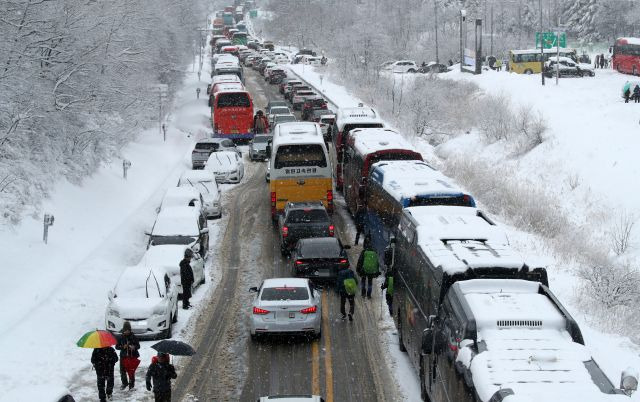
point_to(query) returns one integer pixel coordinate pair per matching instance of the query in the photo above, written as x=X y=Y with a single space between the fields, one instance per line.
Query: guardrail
x=318 y=90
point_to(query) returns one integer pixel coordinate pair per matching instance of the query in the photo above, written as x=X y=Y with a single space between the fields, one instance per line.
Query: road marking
x=328 y=364
x=315 y=368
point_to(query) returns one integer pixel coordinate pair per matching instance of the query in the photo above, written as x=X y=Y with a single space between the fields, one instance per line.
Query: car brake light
x=309 y=310
x=257 y=310
x=331 y=230
x=273 y=203
x=285 y=231
x=299 y=262
x=344 y=261
x=465 y=198
x=330 y=200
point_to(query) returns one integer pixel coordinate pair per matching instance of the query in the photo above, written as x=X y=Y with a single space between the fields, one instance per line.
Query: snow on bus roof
x=369 y=140
x=526 y=345
x=549 y=50
x=297 y=132
x=461 y=238
x=362 y=114
x=406 y=179
x=629 y=40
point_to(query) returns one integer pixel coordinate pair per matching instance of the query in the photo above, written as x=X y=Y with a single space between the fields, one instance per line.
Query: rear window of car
x=233 y=100
x=320 y=248
x=208 y=146
x=280 y=110
x=307 y=216
x=284 y=293
x=285 y=118
x=328 y=120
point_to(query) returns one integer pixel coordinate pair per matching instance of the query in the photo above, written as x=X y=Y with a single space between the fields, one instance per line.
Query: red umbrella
x=130 y=364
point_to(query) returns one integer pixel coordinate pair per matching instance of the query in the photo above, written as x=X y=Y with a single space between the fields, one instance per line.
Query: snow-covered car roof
x=461 y=238
x=526 y=346
x=35 y=392
x=180 y=196
x=370 y=140
x=560 y=59
x=139 y=282
x=350 y=115
x=197 y=176
x=285 y=282
x=404 y=180
x=229 y=86
x=164 y=256
x=225 y=78
x=222 y=158
x=177 y=221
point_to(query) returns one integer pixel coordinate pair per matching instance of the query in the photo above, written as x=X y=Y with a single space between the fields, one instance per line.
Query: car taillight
x=299 y=262
x=309 y=310
x=285 y=231
x=260 y=311
x=273 y=203
x=330 y=200
x=331 y=230
x=344 y=261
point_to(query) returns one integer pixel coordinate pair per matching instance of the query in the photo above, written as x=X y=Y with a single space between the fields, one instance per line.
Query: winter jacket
x=186 y=274
x=360 y=266
x=343 y=274
x=636 y=91
x=360 y=215
x=161 y=374
x=128 y=340
x=260 y=124
x=103 y=360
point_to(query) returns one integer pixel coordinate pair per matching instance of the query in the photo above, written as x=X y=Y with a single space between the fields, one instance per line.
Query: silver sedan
x=286 y=306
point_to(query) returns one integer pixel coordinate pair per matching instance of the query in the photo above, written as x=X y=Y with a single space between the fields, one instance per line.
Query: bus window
x=300 y=155
x=233 y=100
x=459 y=201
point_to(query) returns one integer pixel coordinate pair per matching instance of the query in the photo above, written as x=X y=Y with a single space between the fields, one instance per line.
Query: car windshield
x=307 y=216
x=284 y=293
x=180 y=240
x=320 y=248
x=280 y=110
x=208 y=146
x=285 y=118
x=260 y=139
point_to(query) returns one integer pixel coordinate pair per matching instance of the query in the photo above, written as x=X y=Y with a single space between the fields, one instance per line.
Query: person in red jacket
x=260 y=123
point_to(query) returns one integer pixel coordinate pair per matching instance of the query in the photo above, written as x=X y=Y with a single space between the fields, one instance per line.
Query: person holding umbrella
x=103 y=359
x=128 y=346
x=161 y=372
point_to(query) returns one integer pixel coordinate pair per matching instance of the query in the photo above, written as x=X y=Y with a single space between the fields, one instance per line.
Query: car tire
x=317 y=335
x=255 y=337
x=167 y=333
x=174 y=319
x=412 y=71
x=528 y=71
x=204 y=278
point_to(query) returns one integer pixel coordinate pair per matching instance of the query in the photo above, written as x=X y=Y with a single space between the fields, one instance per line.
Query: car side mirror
x=427 y=341
x=253 y=289
x=629 y=380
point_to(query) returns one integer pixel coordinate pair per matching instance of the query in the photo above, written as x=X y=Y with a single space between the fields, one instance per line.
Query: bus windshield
x=300 y=155
x=457 y=201
x=237 y=99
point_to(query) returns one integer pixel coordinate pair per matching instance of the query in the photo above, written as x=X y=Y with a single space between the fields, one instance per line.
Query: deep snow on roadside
x=614 y=353
x=54 y=293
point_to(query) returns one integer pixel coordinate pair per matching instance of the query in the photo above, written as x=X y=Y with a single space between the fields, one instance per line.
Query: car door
x=197 y=264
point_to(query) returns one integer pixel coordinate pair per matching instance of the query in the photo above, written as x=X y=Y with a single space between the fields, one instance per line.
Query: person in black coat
x=360 y=219
x=128 y=346
x=636 y=94
x=103 y=360
x=161 y=372
x=186 y=277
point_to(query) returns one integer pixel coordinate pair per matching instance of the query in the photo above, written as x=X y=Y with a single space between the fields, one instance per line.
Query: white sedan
x=400 y=66
x=168 y=257
x=286 y=306
x=205 y=182
x=147 y=298
x=227 y=166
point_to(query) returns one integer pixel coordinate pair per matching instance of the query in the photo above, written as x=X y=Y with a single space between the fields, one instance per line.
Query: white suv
x=400 y=66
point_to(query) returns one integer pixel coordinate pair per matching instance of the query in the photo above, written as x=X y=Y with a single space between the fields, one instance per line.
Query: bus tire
x=400 y=337
x=528 y=71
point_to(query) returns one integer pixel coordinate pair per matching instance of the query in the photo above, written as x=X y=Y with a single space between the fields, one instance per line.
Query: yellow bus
x=299 y=166
x=528 y=61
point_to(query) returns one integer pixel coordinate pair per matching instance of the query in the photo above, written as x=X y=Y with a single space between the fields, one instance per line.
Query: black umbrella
x=175 y=348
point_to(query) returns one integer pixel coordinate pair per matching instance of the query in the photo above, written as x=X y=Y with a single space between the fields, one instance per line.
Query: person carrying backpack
x=636 y=94
x=368 y=267
x=388 y=285
x=627 y=94
x=346 y=286
x=160 y=373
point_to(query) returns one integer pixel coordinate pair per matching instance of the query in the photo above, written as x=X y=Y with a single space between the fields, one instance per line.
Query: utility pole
x=435 y=13
x=478 y=30
x=541 y=44
x=491 y=47
x=463 y=14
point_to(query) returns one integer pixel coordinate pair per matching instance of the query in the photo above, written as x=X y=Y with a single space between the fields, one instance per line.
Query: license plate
x=292 y=314
x=234 y=131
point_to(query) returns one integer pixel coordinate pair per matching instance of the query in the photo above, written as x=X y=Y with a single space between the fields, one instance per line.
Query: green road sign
x=550 y=39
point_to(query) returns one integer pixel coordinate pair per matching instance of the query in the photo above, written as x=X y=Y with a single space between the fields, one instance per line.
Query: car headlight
x=114 y=313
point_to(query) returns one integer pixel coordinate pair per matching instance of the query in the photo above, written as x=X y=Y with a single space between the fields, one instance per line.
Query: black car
x=433 y=68
x=567 y=68
x=318 y=258
x=302 y=220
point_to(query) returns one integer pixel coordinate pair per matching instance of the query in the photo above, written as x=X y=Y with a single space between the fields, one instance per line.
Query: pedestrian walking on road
x=186 y=278
x=128 y=346
x=596 y=62
x=368 y=267
x=346 y=286
x=388 y=285
x=103 y=360
x=360 y=217
x=636 y=94
x=160 y=373
x=627 y=94
x=260 y=123
x=602 y=61
x=198 y=93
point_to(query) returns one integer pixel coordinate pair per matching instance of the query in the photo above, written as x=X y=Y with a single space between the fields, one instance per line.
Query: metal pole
x=557 y=56
x=435 y=13
x=541 y=45
x=462 y=14
x=478 y=46
x=491 y=47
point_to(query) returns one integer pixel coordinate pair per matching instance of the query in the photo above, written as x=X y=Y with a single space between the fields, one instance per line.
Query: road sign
x=550 y=39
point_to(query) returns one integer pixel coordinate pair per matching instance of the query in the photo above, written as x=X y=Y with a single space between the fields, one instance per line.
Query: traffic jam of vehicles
x=476 y=320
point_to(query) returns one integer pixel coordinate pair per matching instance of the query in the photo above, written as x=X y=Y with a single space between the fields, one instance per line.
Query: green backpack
x=370 y=263
x=350 y=286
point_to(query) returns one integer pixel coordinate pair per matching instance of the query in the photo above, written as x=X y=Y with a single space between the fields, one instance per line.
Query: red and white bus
x=364 y=147
x=626 y=55
x=346 y=120
x=232 y=115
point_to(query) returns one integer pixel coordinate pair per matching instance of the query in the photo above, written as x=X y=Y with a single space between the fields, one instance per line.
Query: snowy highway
x=345 y=364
